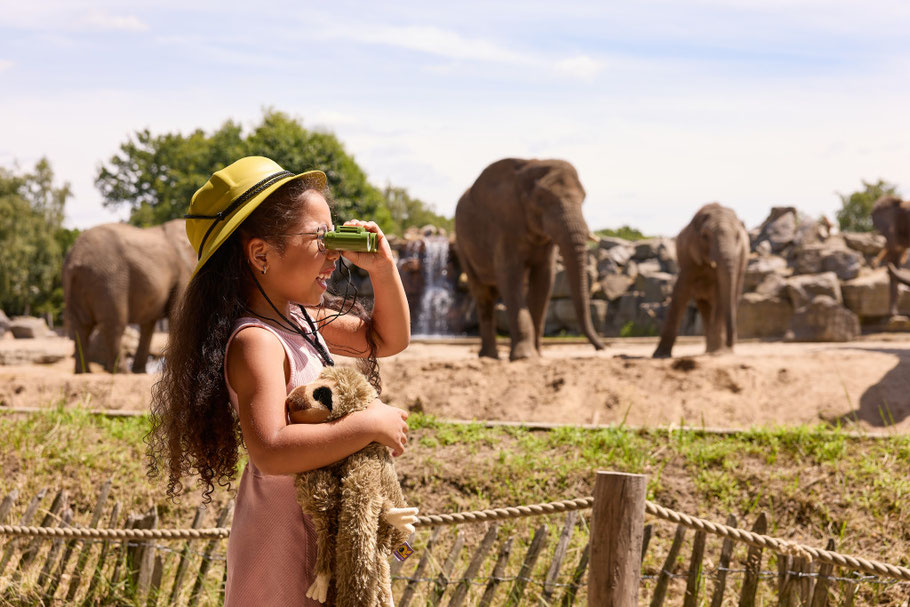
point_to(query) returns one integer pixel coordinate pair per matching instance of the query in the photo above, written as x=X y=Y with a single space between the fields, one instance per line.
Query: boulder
x=867 y=295
x=561 y=288
x=803 y=288
x=620 y=254
x=759 y=268
x=655 y=287
x=29 y=327
x=615 y=285
x=778 y=229
x=646 y=249
x=650 y=266
x=867 y=243
x=823 y=319
x=561 y=316
x=817 y=258
x=666 y=255
x=763 y=316
x=608 y=242
x=774 y=285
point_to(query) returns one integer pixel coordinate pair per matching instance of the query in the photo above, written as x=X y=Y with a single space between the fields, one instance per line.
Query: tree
x=406 y=211
x=855 y=214
x=156 y=176
x=626 y=232
x=33 y=241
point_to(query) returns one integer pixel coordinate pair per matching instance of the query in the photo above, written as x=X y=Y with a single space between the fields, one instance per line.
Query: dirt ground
x=865 y=383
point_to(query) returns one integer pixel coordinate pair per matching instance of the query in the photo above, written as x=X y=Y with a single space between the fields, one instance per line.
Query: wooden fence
x=548 y=554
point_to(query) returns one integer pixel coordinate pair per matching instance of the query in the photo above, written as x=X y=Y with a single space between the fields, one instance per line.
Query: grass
x=813 y=482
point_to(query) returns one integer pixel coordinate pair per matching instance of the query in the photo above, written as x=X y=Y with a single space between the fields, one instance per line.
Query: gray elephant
x=117 y=274
x=891 y=217
x=508 y=226
x=712 y=253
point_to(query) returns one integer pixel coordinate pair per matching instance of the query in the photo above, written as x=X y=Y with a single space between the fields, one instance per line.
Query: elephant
x=891 y=217
x=117 y=274
x=712 y=252
x=508 y=227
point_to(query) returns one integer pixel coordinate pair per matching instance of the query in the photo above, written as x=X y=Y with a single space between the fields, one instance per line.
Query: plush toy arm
x=319 y=589
x=402 y=519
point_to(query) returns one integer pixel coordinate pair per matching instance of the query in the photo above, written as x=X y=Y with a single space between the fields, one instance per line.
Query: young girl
x=249 y=329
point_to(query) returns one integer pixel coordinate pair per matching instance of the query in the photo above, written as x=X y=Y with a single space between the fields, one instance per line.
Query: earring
x=264 y=270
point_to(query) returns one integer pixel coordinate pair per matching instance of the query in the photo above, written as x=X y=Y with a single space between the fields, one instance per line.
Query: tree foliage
x=626 y=232
x=406 y=211
x=156 y=175
x=855 y=214
x=33 y=240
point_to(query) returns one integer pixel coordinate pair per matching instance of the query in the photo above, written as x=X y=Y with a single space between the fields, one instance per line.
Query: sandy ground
x=865 y=383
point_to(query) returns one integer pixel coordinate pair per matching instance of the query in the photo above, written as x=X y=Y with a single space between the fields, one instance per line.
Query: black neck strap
x=311 y=337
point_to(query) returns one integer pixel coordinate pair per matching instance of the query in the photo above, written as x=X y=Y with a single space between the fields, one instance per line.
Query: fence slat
x=99 y=566
x=572 y=589
x=820 y=594
x=849 y=594
x=496 y=576
x=753 y=565
x=726 y=552
x=785 y=581
x=418 y=571
x=562 y=544
x=145 y=556
x=76 y=576
x=155 y=582
x=694 y=578
x=645 y=540
x=184 y=562
x=26 y=519
x=527 y=567
x=56 y=545
x=663 y=579
x=7 y=504
x=461 y=591
x=442 y=580
x=223 y=518
x=28 y=556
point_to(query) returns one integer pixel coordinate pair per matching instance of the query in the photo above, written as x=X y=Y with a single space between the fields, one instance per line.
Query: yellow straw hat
x=230 y=195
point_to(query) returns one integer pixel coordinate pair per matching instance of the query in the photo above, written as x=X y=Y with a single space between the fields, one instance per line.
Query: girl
x=249 y=329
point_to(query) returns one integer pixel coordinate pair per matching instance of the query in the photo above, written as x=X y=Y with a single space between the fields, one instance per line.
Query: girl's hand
x=380 y=260
x=389 y=425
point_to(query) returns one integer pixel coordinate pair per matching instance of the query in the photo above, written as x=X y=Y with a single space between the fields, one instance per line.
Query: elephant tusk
x=713 y=265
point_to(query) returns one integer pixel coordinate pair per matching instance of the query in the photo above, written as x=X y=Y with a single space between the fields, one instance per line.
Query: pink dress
x=272 y=544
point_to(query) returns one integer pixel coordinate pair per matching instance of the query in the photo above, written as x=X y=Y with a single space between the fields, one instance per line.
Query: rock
x=4 y=323
x=817 y=258
x=646 y=249
x=867 y=243
x=29 y=327
x=620 y=254
x=778 y=229
x=615 y=285
x=609 y=242
x=626 y=309
x=655 y=287
x=561 y=316
x=808 y=259
x=759 y=268
x=651 y=266
x=824 y=319
x=774 y=285
x=803 y=288
x=561 y=287
x=666 y=255
x=867 y=295
x=763 y=316
x=606 y=267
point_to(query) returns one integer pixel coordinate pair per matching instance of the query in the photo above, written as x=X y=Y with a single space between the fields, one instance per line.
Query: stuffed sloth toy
x=356 y=504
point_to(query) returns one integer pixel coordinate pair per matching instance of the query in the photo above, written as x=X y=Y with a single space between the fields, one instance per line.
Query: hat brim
x=233 y=221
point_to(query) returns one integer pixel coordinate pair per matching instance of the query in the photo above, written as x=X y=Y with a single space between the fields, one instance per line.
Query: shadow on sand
x=887 y=402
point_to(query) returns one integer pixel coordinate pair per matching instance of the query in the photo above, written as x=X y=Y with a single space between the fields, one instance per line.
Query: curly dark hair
x=194 y=429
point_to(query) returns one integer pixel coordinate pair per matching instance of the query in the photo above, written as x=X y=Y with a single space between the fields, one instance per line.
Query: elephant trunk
x=727 y=298
x=575 y=257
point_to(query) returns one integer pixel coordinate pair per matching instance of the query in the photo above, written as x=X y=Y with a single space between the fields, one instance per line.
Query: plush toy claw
x=402 y=519
x=319 y=589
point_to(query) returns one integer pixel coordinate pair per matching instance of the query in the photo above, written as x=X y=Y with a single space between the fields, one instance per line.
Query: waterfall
x=437 y=296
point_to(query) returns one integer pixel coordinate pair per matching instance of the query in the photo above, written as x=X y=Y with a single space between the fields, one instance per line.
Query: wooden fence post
x=617 y=528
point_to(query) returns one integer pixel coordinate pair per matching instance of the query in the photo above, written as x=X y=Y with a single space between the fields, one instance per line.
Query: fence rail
x=487 y=563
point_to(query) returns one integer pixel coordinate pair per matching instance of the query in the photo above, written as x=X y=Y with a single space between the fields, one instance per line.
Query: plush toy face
x=335 y=393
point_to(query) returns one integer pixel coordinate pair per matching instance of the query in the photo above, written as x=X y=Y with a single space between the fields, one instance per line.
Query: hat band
x=220 y=215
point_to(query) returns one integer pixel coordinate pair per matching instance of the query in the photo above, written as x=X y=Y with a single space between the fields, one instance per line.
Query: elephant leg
x=679 y=301
x=111 y=337
x=895 y=257
x=142 y=350
x=713 y=322
x=486 y=319
x=512 y=279
x=540 y=286
x=81 y=334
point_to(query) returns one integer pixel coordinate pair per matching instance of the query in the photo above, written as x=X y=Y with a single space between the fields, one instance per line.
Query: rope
x=494 y=514
x=115 y=534
x=780 y=546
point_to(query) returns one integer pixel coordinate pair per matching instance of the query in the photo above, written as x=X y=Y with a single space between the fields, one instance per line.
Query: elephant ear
x=528 y=178
x=701 y=234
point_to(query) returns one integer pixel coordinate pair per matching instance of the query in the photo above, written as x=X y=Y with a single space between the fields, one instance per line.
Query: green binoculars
x=350 y=238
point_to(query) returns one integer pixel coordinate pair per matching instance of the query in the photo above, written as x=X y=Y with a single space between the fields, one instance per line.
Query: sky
x=661 y=105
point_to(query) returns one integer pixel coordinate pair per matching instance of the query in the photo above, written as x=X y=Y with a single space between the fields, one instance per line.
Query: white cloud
x=5 y=65
x=106 y=22
x=582 y=67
